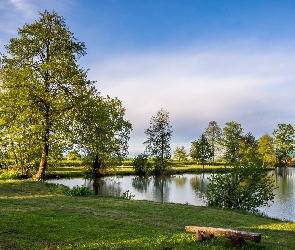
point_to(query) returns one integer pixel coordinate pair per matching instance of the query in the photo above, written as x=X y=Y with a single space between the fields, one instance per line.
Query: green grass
x=36 y=215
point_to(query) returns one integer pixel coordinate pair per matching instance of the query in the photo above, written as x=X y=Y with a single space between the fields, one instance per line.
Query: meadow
x=38 y=215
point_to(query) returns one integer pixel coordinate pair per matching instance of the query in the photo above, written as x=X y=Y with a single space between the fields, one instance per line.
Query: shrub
x=9 y=176
x=80 y=191
x=247 y=186
x=141 y=165
x=127 y=195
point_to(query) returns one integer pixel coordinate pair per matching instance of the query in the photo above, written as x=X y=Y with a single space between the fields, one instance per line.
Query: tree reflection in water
x=141 y=183
x=199 y=185
x=107 y=187
x=179 y=181
x=284 y=180
x=161 y=188
x=187 y=188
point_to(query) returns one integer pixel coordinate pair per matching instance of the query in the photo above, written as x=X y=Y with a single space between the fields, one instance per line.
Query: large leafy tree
x=201 y=150
x=232 y=136
x=102 y=133
x=266 y=149
x=213 y=134
x=41 y=88
x=284 y=138
x=157 y=144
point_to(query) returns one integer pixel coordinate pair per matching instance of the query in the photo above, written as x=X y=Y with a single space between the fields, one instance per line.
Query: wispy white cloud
x=251 y=86
x=24 y=7
x=15 y=13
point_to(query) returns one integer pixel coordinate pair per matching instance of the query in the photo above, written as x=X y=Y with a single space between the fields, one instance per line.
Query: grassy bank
x=36 y=215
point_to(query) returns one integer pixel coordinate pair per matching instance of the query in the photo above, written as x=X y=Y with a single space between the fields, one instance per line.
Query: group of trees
x=48 y=106
x=246 y=184
x=230 y=144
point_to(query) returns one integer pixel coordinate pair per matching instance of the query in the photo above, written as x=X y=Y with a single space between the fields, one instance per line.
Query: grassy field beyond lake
x=37 y=215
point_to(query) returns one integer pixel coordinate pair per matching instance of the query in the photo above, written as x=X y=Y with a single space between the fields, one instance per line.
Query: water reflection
x=179 y=181
x=283 y=206
x=199 y=185
x=187 y=188
x=141 y=183
x=161 y=188
x=107 y=186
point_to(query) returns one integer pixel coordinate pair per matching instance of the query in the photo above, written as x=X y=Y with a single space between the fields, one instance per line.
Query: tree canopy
x=266 y=149
x=213 y=135
x=157 y=144
x=180 y=154
x=231 y=141
x=284 y=138
x=43 y=93
x=201 y=149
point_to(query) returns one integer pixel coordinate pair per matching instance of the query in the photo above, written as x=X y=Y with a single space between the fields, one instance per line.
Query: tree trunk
x=96 y=167
x=45 y=149
x=43 y=162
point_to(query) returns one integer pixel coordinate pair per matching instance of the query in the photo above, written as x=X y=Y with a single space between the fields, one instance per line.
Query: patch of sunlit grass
x=35 y=216
x=282 y=226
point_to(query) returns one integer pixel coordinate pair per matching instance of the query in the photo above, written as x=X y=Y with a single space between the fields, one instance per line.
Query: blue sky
x=225 y=60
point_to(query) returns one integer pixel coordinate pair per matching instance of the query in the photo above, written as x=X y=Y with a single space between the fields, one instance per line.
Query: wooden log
x=228 y=233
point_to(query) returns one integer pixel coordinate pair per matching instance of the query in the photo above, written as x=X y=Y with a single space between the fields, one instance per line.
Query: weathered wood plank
x=228 y=233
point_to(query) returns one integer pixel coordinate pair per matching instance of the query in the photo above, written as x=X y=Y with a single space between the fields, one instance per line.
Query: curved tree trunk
x=43 y=163
x=45 y=149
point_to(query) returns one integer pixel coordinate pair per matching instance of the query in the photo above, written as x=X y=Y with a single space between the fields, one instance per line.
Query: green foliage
x=60 y=108
x=213 y=135
x=284 y=138
x=141 y=164
x=41 y=78
x=201 y=150
x=266 y=149
x=127 y=195
x=103 y=133
x=158 y=141
x=246 y=186
x=7 y=175
x=180 y=154
x=80 y=191
x=73 y=155
x=62 y=190
x=232 y=135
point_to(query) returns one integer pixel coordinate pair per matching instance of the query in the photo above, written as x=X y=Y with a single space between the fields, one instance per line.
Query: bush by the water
x=141 y=164
x=9 y=176
x=80 y=191
x=246 y=186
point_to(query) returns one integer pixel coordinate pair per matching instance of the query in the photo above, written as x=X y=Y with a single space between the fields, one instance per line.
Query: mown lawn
x=36 y=215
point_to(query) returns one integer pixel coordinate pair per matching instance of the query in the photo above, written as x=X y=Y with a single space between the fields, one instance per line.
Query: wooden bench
x=237 y=238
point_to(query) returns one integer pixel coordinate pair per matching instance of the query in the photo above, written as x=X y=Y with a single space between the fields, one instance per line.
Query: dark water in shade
x=187 y=188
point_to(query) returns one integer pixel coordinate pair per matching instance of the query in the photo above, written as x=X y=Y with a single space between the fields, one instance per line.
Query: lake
x=186 y=189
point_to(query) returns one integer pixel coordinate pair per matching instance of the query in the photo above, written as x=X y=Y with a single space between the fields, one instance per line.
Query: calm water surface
x=187 y=188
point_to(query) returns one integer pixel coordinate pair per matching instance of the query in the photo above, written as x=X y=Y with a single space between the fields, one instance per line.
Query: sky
x=202 y=61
